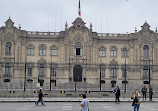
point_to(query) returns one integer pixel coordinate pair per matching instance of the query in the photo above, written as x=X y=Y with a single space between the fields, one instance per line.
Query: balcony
x=7 y=75
x=41 y=75
x=113 y=76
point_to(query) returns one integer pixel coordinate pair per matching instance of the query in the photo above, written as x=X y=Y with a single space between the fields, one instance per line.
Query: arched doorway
x=77 y=73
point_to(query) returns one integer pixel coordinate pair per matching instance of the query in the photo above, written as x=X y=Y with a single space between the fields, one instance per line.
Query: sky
x=106 y=16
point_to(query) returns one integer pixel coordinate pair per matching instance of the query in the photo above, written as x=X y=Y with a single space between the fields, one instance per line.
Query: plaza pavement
x=74 y=106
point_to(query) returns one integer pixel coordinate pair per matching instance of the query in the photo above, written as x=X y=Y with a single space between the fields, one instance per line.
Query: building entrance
x=77 y=73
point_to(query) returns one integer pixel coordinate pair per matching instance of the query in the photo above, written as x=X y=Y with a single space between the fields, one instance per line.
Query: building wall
x=65 y=60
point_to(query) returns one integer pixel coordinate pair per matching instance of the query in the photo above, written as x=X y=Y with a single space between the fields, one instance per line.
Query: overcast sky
x=107 y=16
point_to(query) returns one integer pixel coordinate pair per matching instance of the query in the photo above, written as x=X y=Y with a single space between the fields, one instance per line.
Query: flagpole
x=79 y=9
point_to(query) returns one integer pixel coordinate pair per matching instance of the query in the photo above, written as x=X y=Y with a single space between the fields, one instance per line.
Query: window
x=29 y=71
x=53 y=72
x=145 y=72
x=8 y=48
x=124 y=73
x=102 y=72
x=146 y=51
x=113 y=71
x=53 y=51
x=7 y=69
x=30 y=50
x=124 y=53
x=113 y=84
x=42 y=51
x=102 y=52
x=41 y=70
x=113 y=52
x=78 y=48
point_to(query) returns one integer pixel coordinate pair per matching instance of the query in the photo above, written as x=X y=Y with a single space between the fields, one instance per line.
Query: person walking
x=84 y=104
x=144 y=91
x=117 y=94
x=150 y=93
x=136 y=101
x=40 y=97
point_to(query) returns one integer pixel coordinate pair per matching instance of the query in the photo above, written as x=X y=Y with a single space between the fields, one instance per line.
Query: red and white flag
x=79 y=9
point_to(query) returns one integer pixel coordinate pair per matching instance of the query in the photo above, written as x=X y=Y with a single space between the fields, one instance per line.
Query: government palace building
x=77 y=58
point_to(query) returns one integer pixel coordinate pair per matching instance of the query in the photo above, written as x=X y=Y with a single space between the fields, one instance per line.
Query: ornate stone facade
x=77 y=54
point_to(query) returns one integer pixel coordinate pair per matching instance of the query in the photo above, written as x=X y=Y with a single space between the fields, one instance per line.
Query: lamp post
x=75 y=81
x=25 y=77
x=149 y=72
x=125 y=74
x=149 y=77
x=50 y=74
x=100 y=77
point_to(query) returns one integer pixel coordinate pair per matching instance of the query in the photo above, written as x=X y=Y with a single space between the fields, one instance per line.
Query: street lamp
x=25 y=77
x=50 y=74
x=75 y=81
x=100 y=77
x=149 y=72
x=125 y=74
x=149 y=78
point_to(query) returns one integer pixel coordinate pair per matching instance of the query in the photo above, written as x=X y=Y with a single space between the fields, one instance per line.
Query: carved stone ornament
x=78 y=37
x=78 y=23
x=146 y=35
x=8 y=37
x=146 y=40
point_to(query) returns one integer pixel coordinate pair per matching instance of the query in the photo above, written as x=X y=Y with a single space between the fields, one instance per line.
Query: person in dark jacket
x=117 y=94
x=144 y=91
x=150 y=93
x=40 y=97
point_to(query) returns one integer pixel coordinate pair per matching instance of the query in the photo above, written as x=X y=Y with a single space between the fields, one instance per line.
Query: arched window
x=42 y=50
x=30 y=50
x=146 y=51
x=124 y=52
x=113 y=52
x=78 y=48
x=54 y=51
x=8 y=48
x=102 y=51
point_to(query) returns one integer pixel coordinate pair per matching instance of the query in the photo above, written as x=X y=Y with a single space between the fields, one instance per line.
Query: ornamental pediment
x=78 y=23
x=145 y=29
x=145 y=35
x=78 y=26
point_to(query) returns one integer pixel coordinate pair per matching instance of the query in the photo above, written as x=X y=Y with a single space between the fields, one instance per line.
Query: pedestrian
x=40 y=97
x=144 y=91
x=136 y=101
x=84 y=104
x=150 y=93
x=117 y=94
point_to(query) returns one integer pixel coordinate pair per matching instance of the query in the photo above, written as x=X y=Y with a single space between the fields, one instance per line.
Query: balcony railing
x=145 y=77
x=42 y=33
x=113 y=76
x=7 y=75
x=41 y=75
